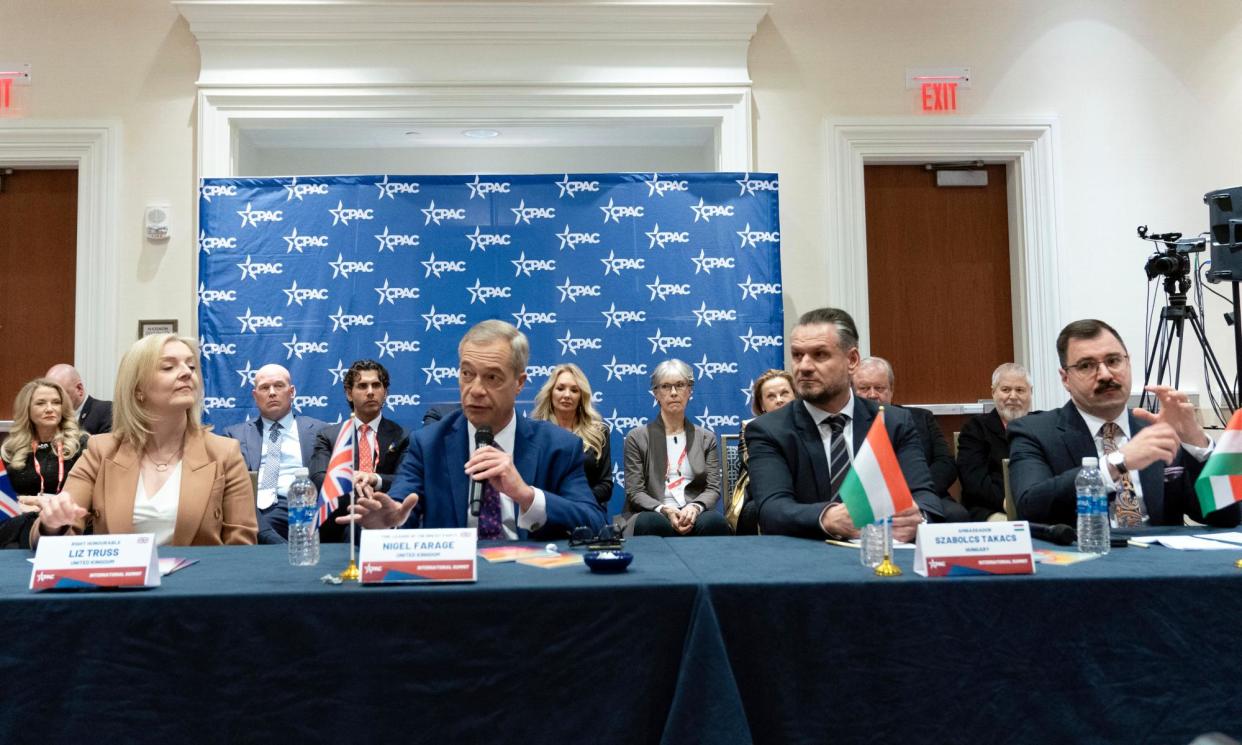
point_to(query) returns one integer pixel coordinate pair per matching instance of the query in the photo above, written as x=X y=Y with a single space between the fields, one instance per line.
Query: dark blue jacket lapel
x=809 y=437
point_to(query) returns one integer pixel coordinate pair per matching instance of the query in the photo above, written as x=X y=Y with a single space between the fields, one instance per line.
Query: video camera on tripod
x=1173 y=261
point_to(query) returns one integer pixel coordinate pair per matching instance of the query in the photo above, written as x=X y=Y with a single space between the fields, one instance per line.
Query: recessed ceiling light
x=480 y=134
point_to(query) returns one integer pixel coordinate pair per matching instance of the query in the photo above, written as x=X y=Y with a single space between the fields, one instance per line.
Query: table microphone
x=1062 y=535
x=482 y=436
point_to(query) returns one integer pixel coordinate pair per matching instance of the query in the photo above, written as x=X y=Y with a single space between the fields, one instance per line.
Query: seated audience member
x=94 y=417
x=1133 y=447
x=982 y=445
x=874 y=380
x=770 y=391
x=799 y=455
x=275 y=445
x=436 y=412
x=672 y=468
x=159 y=471
x=565 y=400
x=532 y=480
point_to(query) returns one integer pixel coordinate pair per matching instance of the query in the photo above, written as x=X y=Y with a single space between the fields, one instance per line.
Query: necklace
x=162 y=467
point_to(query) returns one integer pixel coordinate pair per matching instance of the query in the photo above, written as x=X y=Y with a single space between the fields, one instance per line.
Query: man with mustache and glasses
x=983 y=443
x=1134 y=448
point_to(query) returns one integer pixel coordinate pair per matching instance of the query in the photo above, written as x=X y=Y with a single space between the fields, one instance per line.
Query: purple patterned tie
x=490 y=528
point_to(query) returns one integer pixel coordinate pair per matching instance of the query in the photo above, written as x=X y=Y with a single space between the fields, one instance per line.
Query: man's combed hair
x=356 y=369
x=847 y=331
x=485 y=332
x=1086 y=328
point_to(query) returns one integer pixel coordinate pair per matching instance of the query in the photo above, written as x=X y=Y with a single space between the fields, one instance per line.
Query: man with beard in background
x=984 y=443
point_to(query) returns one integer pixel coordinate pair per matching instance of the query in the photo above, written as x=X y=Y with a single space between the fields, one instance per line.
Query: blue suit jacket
x=250 y=435
x=1046 y=452
x=547 y=457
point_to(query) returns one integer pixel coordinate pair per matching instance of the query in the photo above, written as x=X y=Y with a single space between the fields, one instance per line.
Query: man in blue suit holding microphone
x=514 y=478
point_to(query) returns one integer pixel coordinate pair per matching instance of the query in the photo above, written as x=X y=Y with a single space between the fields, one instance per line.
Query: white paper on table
x=857 y=543
x=1234 y=537
x=1194 y=543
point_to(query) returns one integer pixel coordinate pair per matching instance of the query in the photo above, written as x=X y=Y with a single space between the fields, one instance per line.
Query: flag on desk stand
x=875 y=488
x=9 y=506
x=1220 y=483
x=339 y=479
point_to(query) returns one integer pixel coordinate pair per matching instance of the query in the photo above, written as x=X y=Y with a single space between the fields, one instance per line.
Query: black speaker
x=1225 y=218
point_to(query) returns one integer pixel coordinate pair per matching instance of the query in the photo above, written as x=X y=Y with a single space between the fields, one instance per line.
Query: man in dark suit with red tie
x=94 y=416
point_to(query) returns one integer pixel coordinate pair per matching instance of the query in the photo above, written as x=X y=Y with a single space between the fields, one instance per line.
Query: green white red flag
x=875 y=487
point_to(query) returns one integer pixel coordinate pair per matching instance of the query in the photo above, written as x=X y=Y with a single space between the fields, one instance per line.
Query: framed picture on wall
x=149 y=327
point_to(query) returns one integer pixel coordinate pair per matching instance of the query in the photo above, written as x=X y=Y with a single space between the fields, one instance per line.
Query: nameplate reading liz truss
x=439 y=555
x=91 y=562
x=963 y=549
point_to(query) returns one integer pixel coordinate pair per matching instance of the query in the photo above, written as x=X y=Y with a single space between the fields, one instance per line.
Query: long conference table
x=703 y=640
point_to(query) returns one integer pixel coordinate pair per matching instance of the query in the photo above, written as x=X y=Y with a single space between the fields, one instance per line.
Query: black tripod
x=1173 y=319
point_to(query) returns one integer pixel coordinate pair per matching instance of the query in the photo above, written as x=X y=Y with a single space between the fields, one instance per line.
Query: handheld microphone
x=482 y=436
x=1062 y=535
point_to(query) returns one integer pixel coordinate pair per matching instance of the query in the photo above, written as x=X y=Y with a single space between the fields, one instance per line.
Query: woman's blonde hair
x=588 y=424
x=20 y=441
x=131 y=422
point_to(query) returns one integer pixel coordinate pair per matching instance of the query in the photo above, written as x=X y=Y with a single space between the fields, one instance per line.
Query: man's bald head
x=67 y=377
x=273 y=391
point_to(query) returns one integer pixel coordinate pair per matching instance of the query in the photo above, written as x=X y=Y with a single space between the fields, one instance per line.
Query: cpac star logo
x=391 y=295
x=755 y=289
x=704 y=263
x=390 y=347
x=656 y=187
x=45 y=577
x=526 y=266
x=207 y=243
x=570 y=345
x=708 y=211
x=247 y=375
x=435 y=375
x=210 y=349
x=539 y=371
x=571 y=240
x=753 y=238
x=343 y=268
x=300 y=190
x=294 y=347
x=618 y=317
x=207 y=191
x=525 y=319
x=748 y=391
x=711 y=369
x=618 y=211
x=253 y=323
x=252 y=269
x=619 y=370
x=482 y=292
x=254 y=217
x=624 y=424
x=750 y=185
x=662 y=344
x=342 y=321
x=390 y=188
x=524 y=214
x=402 y=399
x=306 y=402
x=298 y=294
x=390 y=241
x=436 y=267
x=570 y=188
x=343 y=214
x=708 y=420
x=660 y=237
x=298 y=242
x=707 y=315
x=662 y=291
x=481 y=189
x=440 y=320
x=207 y=297
x=614 y=265
x=753 y=342
x=481 y=240
x=211 y=403
x=338 y=372
x=572 y=292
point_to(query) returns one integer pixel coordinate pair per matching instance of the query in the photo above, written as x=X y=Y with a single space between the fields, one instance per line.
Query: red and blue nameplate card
x=91 y=562
x=432 y=555
x=965 y=549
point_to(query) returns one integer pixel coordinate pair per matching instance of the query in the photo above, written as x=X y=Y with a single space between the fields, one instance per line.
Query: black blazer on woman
x=26 y=480
x=599 y=470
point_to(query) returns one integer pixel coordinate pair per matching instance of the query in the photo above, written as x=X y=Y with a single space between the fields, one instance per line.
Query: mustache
x=1107 y=385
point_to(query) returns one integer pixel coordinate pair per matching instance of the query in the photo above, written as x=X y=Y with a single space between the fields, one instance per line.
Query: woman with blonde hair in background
x=770 y=391
x=566 y=400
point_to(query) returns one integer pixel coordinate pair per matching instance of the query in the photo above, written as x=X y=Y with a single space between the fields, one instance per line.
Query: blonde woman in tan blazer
x=159 y=471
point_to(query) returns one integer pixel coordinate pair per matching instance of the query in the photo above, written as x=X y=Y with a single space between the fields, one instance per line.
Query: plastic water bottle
x=1093 y=532
x=303 y=515
x=871 y=544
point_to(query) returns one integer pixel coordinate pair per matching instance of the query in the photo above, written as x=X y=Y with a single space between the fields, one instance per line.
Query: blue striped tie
x=838 y=452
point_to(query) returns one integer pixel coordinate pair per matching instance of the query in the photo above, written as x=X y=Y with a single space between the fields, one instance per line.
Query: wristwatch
x=1117 y=459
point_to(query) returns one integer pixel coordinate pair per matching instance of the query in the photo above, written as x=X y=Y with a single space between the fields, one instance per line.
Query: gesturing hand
x=379 y=511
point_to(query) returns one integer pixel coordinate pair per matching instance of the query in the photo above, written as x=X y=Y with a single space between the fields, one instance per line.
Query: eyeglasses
x=608 y=537
x=670 y=387
x=1089 y=367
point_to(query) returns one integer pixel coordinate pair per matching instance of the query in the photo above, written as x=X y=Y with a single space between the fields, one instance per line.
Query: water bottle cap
x=299 y=473
x=1090 y=462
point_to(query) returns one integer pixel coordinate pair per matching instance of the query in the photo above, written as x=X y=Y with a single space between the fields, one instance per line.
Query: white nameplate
x=85 y=562
x=432 y=555
x=962 y=549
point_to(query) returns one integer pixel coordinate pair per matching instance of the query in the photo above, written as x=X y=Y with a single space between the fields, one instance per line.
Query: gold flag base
x=887 y=568
x=351 y=573
x=1238 y=563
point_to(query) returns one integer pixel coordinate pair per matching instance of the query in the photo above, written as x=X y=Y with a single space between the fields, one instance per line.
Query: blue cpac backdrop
x=614 y=272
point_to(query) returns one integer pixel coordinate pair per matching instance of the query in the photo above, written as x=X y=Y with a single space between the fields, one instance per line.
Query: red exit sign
x=938 y=97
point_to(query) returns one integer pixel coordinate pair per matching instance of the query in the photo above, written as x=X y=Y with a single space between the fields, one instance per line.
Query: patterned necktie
x=838 y=454
x=490 y=527
x=366 y=460
x=1128 y=507
x=271 y=468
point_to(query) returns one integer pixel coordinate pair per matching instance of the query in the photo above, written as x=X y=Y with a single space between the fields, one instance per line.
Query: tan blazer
x=216 y=504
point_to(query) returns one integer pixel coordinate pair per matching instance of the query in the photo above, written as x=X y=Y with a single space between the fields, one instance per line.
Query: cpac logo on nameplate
x=89 y=562
x=964 y=549
x=433 y=555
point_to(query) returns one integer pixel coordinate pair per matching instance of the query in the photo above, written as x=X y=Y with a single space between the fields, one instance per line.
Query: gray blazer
x=646 y=464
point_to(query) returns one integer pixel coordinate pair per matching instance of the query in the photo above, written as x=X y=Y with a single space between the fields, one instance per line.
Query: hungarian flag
x=9 y=506
x=874 y=488
x=339 y=480
x=1220 y=483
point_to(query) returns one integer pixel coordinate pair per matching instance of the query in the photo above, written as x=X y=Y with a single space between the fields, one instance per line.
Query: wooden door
x=38 y=275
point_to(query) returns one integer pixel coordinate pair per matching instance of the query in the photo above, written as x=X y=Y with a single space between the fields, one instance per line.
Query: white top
x=158 y=513
x=534 y=517
x=677 y=473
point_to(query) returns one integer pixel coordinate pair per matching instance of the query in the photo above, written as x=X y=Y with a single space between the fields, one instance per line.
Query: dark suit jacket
x=935 y=449
x=981 y=447
x=250 y=434
x=599 y=471
x=95 y=418
x=1046 y=452
x=789 y=470
x=548 y=458
x=393 y=441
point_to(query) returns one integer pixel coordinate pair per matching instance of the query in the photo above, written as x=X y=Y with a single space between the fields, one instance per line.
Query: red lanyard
x=681 y=459
x=60 y=463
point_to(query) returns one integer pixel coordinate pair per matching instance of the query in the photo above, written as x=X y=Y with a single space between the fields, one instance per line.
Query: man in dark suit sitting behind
x=1046 y=449
x=791 y=470
x=984 y=444
x=94 y=416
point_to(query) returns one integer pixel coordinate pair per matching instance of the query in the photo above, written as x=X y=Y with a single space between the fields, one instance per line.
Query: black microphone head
x=1062 y=535
x=483 y=436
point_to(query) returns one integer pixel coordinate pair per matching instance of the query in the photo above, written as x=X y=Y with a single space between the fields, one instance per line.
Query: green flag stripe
x=1222 y=464
x=855 y=498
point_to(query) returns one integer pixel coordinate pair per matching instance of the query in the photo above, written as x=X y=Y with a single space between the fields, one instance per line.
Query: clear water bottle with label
x=303 y=502
x=1093 y=532
x=871 y=544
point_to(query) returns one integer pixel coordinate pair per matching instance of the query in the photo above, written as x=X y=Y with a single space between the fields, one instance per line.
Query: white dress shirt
x=536 y=515
x=290 y=458
x=157 y=513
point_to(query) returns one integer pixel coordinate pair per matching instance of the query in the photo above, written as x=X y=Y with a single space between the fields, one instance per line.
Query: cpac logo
x=300 y=190
x=572 y=292
x=481 y=240
x=614 y=265
x=708 y=420
x=539 y=371
x=753 y=238
x=570 y=345
x=658 y=187
x=343 y=268
x=706 y=315
x=435 y=214
x=597 y=397
x=207 y=297
x=660 y=237
x=526 y=266
x=299 y=242
x=207 y=191
x=436 y=267
x=207 y=243
x=252 y=269
x=529 y=319
x=254 y=217
x=253 y=323
x=342 y=321
x=247 y=375
x=624 y=423
x=436 y=375
x=481 y=189
x=754 y=342
x=299 y=348
x=338 y=372
x=708 y=211
x=211 y=403
x=524 y=214
x=571 y=240
x=391 y=295
x=482 y=292
x=711 y=369
x=570 y=188
x=210 y=348
x=300 y=402
x=390 y=241
x=390 y=347
x=440 y=320
x=755 y=289
x=662 y=344
x=751 y=185
x=616 y=212
x=619 y=370
x=619 y=317
x=402 y=399
x=706 y=264
x=389 y=188
x=298 y=294
x=662 y=291
x=343 y=214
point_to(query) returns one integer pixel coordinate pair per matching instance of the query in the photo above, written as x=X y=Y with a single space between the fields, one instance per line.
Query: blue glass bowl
x=608 y=562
